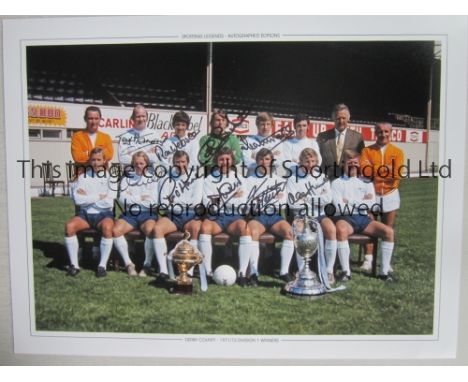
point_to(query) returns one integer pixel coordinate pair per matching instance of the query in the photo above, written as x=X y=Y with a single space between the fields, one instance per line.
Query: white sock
x=122 y=247
x=287 y=252
x=343 y=254
x=330 y=254
x=244 y=254
x=254 y=255
x=386 y=250
x=368 y=258
x=72 y=248
x=149 y=252
x=205 y=247
x=193 y=243
x=160 y=247
x=105 y=248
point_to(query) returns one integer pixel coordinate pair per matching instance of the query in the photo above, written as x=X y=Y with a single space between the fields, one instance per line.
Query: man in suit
x=334 y=142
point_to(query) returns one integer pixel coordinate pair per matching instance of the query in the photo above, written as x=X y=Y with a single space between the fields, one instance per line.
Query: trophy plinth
x=307 y=285
x=185 y=257
x=182 y=289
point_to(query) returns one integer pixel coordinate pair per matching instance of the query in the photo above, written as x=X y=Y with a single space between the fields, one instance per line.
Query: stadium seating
x=61 y=87
x=67 y=87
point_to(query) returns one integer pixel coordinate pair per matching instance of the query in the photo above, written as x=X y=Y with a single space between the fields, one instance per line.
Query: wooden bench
x=267 y=239
x=50 y=180
x=362 y=240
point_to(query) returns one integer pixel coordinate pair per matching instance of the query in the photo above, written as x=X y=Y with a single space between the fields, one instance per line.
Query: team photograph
x=261 y=188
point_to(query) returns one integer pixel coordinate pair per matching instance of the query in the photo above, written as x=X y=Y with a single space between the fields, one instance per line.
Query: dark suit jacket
x=327 y=144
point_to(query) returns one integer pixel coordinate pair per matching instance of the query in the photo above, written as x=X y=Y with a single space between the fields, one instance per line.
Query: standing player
x=218 y=137
x=84 y=141
x=334 y=142
x=181 y=140
x=138 y=195
x=179 y=194
x=353 y=199
x=382 y=162
x=139 y=138
x=294 y=146
x=266 y=198
x=223 y=196
x=263 y=139
x=309 y=194
x=95 y=200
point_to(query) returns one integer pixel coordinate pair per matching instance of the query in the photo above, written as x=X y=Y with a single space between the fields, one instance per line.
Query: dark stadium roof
x=373 y=78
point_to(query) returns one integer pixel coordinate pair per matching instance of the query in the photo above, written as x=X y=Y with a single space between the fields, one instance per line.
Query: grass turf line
x=118 y=303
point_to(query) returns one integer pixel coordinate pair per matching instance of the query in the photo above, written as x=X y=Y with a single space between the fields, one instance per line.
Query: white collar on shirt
x=92 y=138
x=338 y=133
x=140 y=133
x=299 y=140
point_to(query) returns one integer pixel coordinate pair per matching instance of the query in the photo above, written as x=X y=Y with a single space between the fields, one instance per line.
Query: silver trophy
x=306 y=240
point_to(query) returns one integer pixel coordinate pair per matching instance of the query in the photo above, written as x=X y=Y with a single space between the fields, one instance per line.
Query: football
x=224 y=275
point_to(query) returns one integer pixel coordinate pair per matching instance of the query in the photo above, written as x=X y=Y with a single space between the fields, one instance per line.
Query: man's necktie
x=339 y=147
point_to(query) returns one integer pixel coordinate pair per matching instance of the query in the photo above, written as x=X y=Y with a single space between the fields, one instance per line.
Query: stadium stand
x=61 y=87
x=69 y=87
x=66 y=87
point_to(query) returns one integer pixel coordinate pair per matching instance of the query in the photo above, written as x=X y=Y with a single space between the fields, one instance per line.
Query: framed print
x=400 y=76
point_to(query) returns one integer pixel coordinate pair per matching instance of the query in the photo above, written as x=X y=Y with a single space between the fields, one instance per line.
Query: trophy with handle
x=185 y=256
x=306 y=241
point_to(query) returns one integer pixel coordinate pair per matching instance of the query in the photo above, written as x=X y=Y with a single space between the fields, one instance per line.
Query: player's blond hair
x=307 y=152
x=140 y=154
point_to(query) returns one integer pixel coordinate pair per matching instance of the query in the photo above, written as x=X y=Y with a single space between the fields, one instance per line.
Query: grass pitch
x=118 y=303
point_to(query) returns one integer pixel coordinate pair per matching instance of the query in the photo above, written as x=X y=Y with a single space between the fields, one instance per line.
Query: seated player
x=354 y=199
x=263 y=139
x=179 y=194
x=266 y=198
x=95 y=200
x=138 y=195
x=223 y=196
x=309 y=194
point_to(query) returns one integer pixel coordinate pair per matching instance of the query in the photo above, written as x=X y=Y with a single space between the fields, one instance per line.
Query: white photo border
x=452 y=31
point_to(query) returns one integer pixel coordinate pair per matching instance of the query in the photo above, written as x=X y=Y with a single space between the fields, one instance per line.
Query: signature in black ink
x=264 y=197
x=136 y=181
x=135 y=143
x=281 y=135
x=214 y=142
x=140 y=140
x=185 y=184
x=310 y=190
x=173 y=187
x=226 y=192
x=163 y=152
